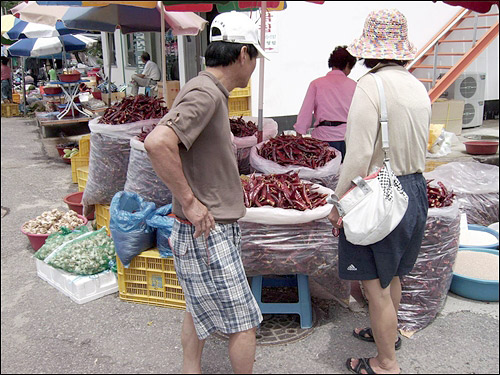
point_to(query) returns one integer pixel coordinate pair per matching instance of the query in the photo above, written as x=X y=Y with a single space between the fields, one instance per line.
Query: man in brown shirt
x=192 y=153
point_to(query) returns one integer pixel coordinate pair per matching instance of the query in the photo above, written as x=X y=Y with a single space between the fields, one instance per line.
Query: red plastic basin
x=74 y=202
x=52 y=90
x=73 y=77
x=481 y=147
x=37 y=240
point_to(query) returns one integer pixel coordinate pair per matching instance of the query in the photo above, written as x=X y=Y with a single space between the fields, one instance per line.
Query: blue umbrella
x=35 y=47
x=23 y=29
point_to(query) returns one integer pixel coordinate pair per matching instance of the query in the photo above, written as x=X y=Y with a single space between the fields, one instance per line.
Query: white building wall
x=120 y=73
x=307 y=33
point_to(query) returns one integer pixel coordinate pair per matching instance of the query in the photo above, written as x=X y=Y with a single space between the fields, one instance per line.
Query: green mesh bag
x=88 y=254
x=57 y=239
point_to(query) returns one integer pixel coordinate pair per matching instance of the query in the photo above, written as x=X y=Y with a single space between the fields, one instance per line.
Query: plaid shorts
x=213 y=279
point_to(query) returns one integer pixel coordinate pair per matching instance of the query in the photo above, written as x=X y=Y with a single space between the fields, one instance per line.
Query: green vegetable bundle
x=68 y=152
x=88 y=254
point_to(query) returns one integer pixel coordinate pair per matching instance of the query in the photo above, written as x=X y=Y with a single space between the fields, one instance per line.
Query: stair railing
x=457 y=19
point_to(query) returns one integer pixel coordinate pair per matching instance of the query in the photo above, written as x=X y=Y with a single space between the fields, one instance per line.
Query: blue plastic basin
x=481 y=229
x=476 y=289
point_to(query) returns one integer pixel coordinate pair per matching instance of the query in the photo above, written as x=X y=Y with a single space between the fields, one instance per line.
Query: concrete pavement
x=43 y=331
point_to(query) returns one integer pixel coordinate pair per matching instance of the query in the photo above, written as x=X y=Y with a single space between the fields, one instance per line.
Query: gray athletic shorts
x=396 y=254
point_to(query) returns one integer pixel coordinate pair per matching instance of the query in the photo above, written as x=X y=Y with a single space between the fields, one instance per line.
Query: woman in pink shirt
x=328 y=98
x=6 y=81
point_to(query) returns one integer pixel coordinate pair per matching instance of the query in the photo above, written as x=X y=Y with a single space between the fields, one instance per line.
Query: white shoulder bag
x=377 y=203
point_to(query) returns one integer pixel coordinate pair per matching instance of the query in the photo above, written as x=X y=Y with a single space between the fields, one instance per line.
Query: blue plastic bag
x=129 y=229
x=163 y=224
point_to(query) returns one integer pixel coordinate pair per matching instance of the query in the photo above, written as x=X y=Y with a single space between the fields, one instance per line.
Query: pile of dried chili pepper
x=132 y=109
x=145 y=132
x=297 y=150
x=280 y=190
x=242 y=128
x=439 y=196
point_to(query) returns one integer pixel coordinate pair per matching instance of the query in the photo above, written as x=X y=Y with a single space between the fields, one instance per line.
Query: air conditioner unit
x=469 y=87
x=473 y=114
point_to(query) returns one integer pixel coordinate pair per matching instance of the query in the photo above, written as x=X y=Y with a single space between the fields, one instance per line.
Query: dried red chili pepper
x=242 y=128
x=132 y=109
x=280 y=190
x=297 y=150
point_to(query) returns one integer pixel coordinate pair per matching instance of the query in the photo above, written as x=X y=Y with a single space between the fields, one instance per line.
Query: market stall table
x=49 y=120
x=70 y=90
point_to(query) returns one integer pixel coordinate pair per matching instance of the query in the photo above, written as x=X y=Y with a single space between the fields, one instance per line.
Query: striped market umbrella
x=36 y=47
x=8 y=22
x=23 y=29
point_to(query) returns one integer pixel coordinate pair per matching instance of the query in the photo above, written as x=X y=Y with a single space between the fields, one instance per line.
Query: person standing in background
x=328 y=98
x=6 y=81
x=52 y=73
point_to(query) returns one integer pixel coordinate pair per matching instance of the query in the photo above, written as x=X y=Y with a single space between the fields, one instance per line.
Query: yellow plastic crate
x=78 y=161
x=240 y=113
x=84 y=146
x=241 y=91
x=82 y=175
x=16 y=98
x=239 y=104
x=102 y=216
x=150 y=280
x=10 y=110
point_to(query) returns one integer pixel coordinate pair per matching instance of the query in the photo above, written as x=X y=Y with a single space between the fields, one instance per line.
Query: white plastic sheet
x=476 y=187
x=276 y=215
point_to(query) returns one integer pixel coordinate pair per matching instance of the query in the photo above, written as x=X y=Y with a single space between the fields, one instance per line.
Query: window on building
x=111 y=46
x=130 y=43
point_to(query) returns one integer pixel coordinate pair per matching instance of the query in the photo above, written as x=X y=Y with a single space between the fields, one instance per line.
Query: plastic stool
x=303 y=307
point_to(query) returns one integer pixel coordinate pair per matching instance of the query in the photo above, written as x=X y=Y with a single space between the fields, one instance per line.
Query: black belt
x=331 y=123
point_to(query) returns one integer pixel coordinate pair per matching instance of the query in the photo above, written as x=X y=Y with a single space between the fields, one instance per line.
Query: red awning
x=476 y=6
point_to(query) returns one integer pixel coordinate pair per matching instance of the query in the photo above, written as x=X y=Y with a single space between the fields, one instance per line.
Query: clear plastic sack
x=108 y=160
x=476 y=187
x=88 y=254
x=424 y=290
x=129 y=229
x=308 y=248
x=108 y=164
x=163 y=221
x=142 y=178
x=245 y=144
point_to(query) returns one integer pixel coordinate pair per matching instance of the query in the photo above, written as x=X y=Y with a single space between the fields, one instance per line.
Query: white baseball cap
x=236 y=27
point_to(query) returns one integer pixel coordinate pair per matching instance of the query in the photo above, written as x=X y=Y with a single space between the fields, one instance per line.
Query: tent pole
x=261 y=71
x=109 y=72
x=163 y=54
x=123 y=62
x=24 y=85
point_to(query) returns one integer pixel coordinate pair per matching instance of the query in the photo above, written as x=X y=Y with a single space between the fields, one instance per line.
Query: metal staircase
x=439 y=63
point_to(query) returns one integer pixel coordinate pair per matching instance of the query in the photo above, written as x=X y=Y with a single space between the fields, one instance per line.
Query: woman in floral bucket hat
x=385 y=48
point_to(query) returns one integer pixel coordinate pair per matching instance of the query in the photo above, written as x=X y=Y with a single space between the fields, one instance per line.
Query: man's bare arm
x=162 y=145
